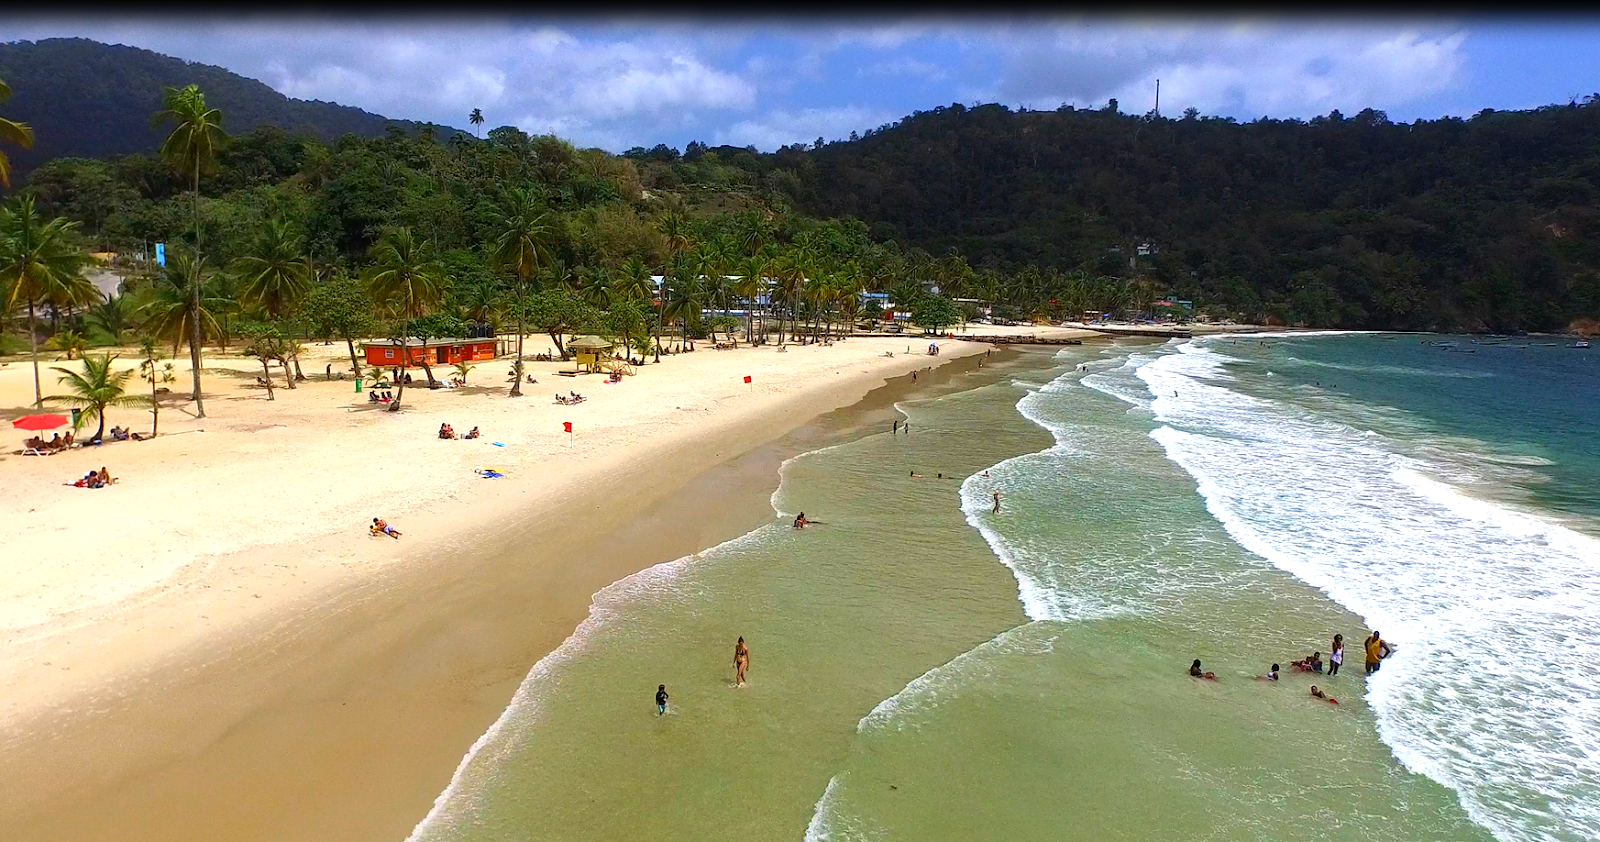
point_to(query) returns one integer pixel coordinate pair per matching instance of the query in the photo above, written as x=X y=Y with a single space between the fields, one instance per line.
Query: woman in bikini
x=741 y=662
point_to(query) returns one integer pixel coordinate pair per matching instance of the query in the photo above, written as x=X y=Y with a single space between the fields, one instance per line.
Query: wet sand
x=345 y=717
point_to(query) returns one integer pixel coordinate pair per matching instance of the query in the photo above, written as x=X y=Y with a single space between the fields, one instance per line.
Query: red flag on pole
x=566 y=426
x=747 y=378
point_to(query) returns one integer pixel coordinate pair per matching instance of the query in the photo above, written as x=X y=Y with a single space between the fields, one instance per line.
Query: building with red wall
x=435 y=351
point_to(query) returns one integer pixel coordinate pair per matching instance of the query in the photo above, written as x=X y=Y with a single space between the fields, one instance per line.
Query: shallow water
x=924 y=668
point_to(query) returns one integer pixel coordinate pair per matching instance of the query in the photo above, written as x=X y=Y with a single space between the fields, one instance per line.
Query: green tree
x=150 y=354
x=558 y=312
x=180 y=299
x=934 y=313
x=112 y=317
x=266 y=343
x=476 y=119
x=341 y=308
x=97 y=388
x=521 y=244
x=39 y=263
x=404 y=279
x=192 y=149
x=274 y=276
x=11 y=132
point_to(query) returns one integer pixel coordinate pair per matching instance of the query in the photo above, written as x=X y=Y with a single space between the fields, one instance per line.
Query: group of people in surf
x=1376 y=650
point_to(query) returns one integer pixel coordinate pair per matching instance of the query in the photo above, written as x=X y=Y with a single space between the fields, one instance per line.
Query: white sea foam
x=1497 y=611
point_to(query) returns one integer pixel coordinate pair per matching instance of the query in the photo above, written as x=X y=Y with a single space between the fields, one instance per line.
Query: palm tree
x=403 y=279
x=755 y=268
x=69 y=340
x=275 y=275
x=476 y=119
x=39 y=263
x=11 y=132
x=150 y=350
x=95 y=389
x=113 y=316
x=405 y=282
x=179 y=300
x=522 y=232
x=598 y=287
x=192 y=148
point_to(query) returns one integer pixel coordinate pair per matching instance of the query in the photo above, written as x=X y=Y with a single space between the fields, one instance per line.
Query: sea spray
x=1484 y=600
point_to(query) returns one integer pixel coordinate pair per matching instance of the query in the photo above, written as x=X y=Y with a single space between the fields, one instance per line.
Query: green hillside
x=85 y=99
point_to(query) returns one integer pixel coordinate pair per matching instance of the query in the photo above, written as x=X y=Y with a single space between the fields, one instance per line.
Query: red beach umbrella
x=46 y=421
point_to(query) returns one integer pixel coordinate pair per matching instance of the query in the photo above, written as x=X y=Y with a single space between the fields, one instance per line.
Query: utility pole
x=1158 y=97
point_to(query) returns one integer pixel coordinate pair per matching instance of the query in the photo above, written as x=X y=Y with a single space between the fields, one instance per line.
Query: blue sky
x=617 y=83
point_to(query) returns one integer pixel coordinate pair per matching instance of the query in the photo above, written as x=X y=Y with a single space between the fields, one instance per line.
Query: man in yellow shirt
x=1377 y=650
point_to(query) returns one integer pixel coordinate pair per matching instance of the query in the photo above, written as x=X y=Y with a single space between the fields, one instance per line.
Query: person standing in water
x=1336 y=657
x=661 y=699
x=997 y=502
x=1377 y=649
x=741 y=662
x=896 y=427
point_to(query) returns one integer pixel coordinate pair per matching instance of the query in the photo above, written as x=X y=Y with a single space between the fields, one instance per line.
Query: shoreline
x=312 y=708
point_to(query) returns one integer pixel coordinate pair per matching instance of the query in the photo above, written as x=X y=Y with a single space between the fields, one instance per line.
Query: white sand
x=285 y=489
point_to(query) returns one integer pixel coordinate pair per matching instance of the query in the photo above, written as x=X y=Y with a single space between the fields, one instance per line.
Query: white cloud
x=1281 y=70
x=646 y=81
x=592 y=83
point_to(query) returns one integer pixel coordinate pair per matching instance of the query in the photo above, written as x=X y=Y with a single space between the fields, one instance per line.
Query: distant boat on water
x=1581 y=343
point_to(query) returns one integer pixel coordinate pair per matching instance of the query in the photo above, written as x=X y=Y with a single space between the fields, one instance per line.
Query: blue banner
x=161 y=254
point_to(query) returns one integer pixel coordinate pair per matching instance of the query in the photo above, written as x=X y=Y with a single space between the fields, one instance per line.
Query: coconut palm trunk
x=194 y=315
x=355 y=362
x=33 y=351
x=516 y=368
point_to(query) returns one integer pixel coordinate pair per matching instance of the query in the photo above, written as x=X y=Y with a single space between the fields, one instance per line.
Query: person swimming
x=1272 y=674
x=1318 y=694
x=1194 y=670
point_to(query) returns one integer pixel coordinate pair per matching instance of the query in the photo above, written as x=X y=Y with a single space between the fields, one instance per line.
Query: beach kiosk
x=590 y=352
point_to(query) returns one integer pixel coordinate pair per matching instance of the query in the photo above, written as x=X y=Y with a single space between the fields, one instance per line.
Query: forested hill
x=85 y=99
x=1490 y=222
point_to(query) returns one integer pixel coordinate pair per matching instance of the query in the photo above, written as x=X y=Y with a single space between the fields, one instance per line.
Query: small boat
x=1581 y=344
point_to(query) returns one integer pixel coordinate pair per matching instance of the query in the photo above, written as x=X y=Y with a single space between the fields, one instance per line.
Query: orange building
x=435 y=351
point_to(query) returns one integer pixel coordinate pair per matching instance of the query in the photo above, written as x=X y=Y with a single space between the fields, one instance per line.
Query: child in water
x=1194 y=670
x=1272 y=674
x=1318 y=694
x=661 y=699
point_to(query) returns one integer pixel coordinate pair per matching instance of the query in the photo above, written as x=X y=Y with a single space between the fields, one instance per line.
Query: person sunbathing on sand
x=1318 y=694
x=382 y=527
x=473 y=434
x=1194 y=670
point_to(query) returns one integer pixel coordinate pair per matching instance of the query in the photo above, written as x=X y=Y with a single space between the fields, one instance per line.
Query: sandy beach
x=220 y=622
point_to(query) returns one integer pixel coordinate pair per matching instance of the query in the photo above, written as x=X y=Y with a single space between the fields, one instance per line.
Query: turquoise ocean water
x=926 y=668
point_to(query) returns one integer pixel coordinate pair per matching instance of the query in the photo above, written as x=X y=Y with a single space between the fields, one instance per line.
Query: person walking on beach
x=661 y=699
x=897 y=427
x=1377 y=650
x=741 y=662
x=1336 y=657
x=997 y=502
